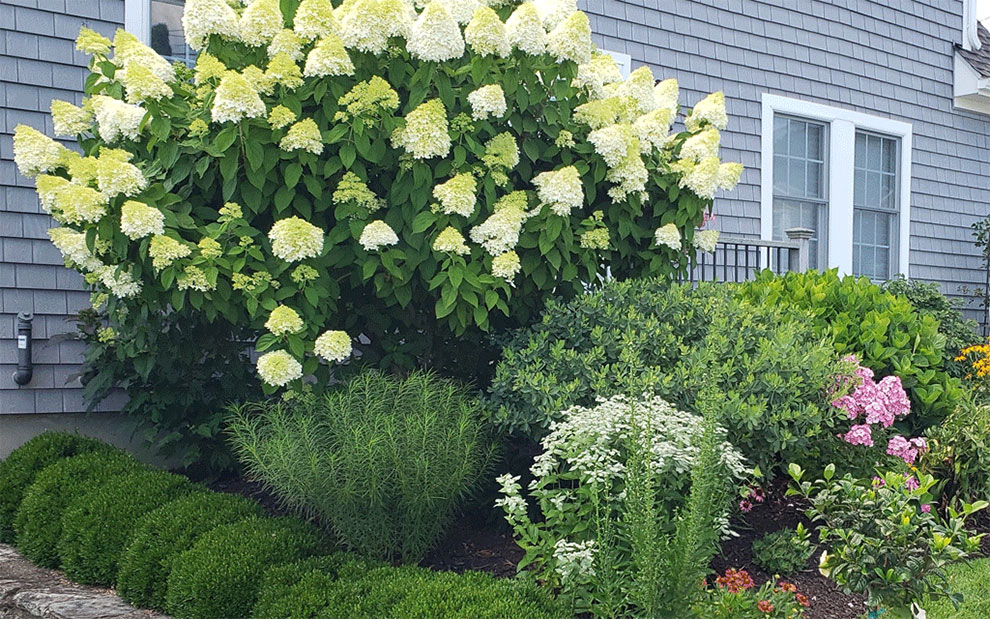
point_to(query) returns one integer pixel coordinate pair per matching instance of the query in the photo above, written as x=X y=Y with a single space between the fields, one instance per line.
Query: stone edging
x=28 y=592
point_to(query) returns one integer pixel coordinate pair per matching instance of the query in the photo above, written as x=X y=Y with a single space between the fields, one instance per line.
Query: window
x=800 y=194
x=846 y=176
x=159 y=24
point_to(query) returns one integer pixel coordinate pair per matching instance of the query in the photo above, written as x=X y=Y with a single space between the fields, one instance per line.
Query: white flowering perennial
x=525 y=31
x=164 y=250
x=314 y=19
x=500 y=232
x=77 y=204
x=202 y=18
x=571 y=39
x=506 y=265
x=668 y=236
x=328 y=58
x=117 y=119
x=561 y=190
x=701 y=145
x=118 y=281
x=304 y=135
x=284 y=321
x=598 y=73
x=68 y=119
x=436 y=36
x=426 y=132
x=286 y=42
x=73 y=248
x=639 y=86
x=486 y=34
x=367 y=25
x=452 y=242
x=333 y=346
x=487 y=101
x=458 y=195
x=278 y=368
x=236 y=99
x=377 y=235
x=706 y=240
x=34 y=152
x=138 y=220
x=260 y=22
x=709 y=110
x=294 y=239
x=115 y=175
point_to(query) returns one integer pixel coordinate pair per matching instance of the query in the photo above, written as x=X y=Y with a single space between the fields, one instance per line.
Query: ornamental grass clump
x=315 y=135
x=383 y=461
x=19 y=469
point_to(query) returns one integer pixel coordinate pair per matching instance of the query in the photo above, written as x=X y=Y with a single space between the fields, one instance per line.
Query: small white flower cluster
x=452 y=242
x=487 y=101
x=34 y=152
x=119 y=282
x=574 y=561
x=706 y=240
x=486 y=34
x=457 y=196
x=333 y=346
x=73 y=247
x=294 y=239
x=278 y=368
x=435 y=36
x=303 y=135
x=500 y=232
x=669 y=236
x=68 y=119
x=376 y=235
x=138 y=220
x=561 y=190
x=426 y=132
x=117 y=119
x=236 y=98
x=506 y=265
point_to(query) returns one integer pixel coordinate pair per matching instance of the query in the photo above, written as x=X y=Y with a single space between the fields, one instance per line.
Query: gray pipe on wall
x=25 y=366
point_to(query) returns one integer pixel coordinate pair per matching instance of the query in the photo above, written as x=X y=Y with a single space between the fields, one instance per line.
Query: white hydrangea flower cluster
x=286 y=42
x=117 y=119
x=561 y=190
x=500 y=232
x=120 y=282
x=72 y=246
x=284 y=321
x=278 y=368
x=236 y=98
x=115 y=175
x=367 y=25
x=164 y=250
x=487 y=101
x=260 y=22
x=78 y=204
x=48 y=187
x=68 y=119
x=303 y=135
x=435 y=35
x=202 y=18
x=138 y=220
x=36 y=153
x=669 y=236
x=706 y=240
x=426 y=132
x=376 y=235
x=294 y=239
x=333 y=346
x=328 y=58
x=525 y=31
x=452 y=242
x=506 y=265
x=457 y=196
x=486 y=34
x=315 y=19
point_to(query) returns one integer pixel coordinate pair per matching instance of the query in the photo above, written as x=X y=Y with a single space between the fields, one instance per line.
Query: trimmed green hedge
x=282 y=595
x=221 y=574
x=19 y=469
x=98 y=525
x=165 y=533
x=38 y=523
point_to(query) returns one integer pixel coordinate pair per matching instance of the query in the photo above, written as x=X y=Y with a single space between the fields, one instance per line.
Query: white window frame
x=137 y=19
x=624 y=61
x=842 y=148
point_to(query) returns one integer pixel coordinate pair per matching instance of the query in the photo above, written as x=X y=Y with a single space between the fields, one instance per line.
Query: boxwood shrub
x=19 y=469
x=162 y=535
x=883 y=329
x=221 y=574
x=282 y=595
x=38 y=523
x=412 y=592
x=98 y=525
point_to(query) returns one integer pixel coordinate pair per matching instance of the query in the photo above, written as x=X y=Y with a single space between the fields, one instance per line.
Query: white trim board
x=842 y=143
x=137 y=19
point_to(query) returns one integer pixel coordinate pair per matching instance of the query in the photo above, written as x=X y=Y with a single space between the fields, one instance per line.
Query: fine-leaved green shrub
x=18 y=470
x=882 y=329
x=221 y=574
x=771 y=370
x=783 y=552
x=927 y=298
x=384 y=461
x=39 y=520
x=97 y=527
x=285 y=595
x=410 y=592
x=163 y=534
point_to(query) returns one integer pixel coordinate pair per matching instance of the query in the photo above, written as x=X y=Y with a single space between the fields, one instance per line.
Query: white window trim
x=624 y=61
x=137 y=19
x=842 y=143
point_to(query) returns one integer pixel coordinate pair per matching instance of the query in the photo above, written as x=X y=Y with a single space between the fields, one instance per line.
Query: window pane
x=779 y=174
x=803 y=214
x=798 y=138
x=167 y=37
x=875 y=199
x=800 y=183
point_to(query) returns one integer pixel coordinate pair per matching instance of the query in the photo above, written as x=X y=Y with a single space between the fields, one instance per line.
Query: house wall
x=38 y=62
x=890 y=58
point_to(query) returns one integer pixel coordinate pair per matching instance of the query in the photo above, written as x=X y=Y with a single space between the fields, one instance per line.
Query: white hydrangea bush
x=580 y=478
x=408 y=171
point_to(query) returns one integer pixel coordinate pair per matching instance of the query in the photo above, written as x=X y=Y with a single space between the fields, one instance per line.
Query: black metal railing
x=739 y=259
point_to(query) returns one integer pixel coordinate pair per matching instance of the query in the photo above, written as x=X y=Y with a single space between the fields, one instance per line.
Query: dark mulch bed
x=479 y=541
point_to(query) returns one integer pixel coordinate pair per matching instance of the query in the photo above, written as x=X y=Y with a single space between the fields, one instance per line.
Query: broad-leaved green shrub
x=882 y=329
x=408 y=592
x=629 y=337
x=632 y=497
x=959 y=454
x=163 y=534
x=97 y=527
x=384 y=461
x=783 y=552
x=375 y=170
x=221 y=574
x=38 y=523
x=284 y=595
x=19 y=469
x=927 y=298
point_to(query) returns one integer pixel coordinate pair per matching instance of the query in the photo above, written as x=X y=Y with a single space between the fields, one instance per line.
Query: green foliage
x=38 y=523
x=629 y=337
x=632 y=497
x=286 y=592
x=221 y=574
x=409 y=592
x=179 y=372
x=927 y=299
x=97 y=527
x=384 y=461
x=163 y=534
x=882 y=329
x=783 y=552
x=970 y=580
x=881 y=541
x=959 y=454
x=414 y=304
x=19 y=469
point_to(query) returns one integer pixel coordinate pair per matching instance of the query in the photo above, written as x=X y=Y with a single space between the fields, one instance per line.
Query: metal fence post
x=802 y=255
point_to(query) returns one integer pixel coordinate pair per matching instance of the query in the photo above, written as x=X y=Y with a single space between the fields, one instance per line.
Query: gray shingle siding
x=38 y=63
x=890 y=58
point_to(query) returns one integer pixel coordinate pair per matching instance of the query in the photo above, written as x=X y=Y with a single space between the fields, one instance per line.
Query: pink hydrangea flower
x=911 y=483
x=905 y=449
x=859 y=435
